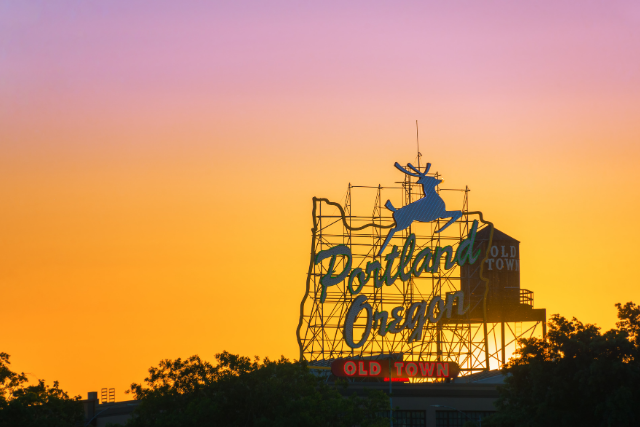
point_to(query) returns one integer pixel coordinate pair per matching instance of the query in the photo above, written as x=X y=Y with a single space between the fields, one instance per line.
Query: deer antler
x=414 y=168
x=427 y=169
x=400 y=168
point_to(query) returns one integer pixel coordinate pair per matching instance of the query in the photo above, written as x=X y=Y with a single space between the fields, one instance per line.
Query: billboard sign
x=399 y=265
x=389 y=282
x=358 y=368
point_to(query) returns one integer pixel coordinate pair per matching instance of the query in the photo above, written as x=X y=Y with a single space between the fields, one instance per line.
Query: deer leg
x=386 y=241
x=454 y=216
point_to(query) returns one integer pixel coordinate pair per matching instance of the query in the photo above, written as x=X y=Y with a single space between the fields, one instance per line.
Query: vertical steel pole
x=503 y=344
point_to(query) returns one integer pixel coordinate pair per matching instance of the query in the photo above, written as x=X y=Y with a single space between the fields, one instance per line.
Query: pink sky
x=148 y=149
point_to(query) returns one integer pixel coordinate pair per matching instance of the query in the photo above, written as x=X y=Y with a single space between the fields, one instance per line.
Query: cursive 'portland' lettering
x=397 y=264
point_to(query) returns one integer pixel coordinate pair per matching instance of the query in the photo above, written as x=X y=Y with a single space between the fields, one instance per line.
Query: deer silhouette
x=430 y=207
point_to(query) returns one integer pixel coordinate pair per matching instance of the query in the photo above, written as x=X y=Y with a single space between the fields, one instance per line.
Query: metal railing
x=107 y=395
x=526 y=297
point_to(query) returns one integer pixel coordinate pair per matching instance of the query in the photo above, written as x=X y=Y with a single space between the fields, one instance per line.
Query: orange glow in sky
x=158 y=160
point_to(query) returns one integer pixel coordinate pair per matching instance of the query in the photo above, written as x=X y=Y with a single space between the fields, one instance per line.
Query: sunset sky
x=158 y=160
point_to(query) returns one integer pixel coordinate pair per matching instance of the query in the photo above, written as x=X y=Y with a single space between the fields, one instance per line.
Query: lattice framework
x=474 y=345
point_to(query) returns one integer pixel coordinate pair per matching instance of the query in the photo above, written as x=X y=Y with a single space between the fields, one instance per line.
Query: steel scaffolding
x=476 y=344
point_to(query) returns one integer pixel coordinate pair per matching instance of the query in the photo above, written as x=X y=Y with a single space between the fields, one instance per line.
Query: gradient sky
x=158 y=160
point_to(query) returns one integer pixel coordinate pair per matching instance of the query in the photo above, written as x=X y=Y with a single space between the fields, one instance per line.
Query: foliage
x=9 y=380
x=629 y=316
x=240 y=392
x=576 y=376
x=27 y=405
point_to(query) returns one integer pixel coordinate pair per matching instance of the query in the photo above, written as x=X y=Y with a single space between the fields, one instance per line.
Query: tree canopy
x=576 y=376
x=238 y=391
x=25 y=405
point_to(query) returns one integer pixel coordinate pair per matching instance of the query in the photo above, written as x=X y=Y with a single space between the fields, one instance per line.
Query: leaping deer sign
x=429 y=208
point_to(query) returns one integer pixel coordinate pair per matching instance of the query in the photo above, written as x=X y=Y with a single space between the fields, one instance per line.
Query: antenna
x=418 y=143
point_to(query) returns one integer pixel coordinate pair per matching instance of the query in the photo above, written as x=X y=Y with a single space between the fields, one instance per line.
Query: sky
x=158 y=160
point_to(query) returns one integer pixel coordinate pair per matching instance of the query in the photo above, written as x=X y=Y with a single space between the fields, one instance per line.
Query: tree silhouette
x=240 y=392
x=38 y=405
x=578 y=376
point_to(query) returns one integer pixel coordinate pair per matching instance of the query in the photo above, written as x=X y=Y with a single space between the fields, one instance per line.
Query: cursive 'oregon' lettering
x=414 y=317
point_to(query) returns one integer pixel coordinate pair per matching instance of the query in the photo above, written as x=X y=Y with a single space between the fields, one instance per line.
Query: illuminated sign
x=367 y=296
x=399 y=265
x=358 y=368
